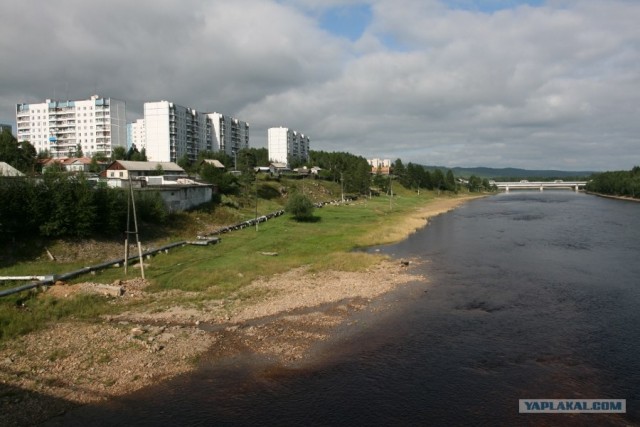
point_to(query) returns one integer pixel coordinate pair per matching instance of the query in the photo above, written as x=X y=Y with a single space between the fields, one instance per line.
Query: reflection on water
x=531 y=295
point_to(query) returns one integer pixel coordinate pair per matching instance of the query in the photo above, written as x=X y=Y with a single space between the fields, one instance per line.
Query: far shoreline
x=610 y=196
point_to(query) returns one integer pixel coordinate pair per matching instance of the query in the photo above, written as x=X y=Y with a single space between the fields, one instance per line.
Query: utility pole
x=390 y=192
x=131 y=202
x=256 y=201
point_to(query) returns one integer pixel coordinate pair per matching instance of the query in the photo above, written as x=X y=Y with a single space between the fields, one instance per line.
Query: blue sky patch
x=490 y=6
x=347 y=21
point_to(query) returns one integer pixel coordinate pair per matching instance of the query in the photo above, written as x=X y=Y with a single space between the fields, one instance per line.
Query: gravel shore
x=48 y=372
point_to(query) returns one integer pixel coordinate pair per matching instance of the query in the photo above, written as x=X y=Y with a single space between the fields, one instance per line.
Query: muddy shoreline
x=49 y=372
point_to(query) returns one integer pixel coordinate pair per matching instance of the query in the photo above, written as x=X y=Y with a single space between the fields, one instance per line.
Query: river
x=529 y=296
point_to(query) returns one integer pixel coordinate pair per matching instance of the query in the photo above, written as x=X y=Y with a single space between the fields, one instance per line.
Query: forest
x=616 y=183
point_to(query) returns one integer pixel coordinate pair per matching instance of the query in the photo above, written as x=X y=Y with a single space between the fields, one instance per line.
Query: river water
x=530 y=296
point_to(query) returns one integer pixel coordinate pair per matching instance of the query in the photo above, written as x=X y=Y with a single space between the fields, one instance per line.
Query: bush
x=300 y=207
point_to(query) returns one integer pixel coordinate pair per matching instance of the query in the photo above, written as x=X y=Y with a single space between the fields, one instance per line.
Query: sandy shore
x=48 y=372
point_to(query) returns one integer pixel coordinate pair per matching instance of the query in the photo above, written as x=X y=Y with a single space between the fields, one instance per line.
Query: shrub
x=300 y=207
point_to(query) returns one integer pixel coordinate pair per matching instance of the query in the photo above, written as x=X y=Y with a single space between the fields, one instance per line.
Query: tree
x=475 y=184
x=158 y=171
x=226 y=182
x=300 y=207
x=450 y=181
x=20 y=155
x=353 y=171
x=399 y=171
x=619 y=183
x=184 y=161
x=139 y=156
x=261 y=156
x=381 y=181
x=119 y=153
x=78 y=153
x=246 y=161
x=438 y=180
x=94 y=167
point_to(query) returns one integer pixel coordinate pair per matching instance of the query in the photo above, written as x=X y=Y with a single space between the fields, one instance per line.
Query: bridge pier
x=506 y=190
x=541 y=188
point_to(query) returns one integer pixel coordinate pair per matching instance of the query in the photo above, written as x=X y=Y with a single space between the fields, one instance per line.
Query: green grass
x=28 y=311
x=221 y=271
x=237 y=260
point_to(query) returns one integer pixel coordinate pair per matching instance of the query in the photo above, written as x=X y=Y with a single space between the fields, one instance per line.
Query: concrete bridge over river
x=540 y=185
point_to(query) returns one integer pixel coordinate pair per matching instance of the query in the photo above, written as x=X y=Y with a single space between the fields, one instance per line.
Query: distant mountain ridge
x=483 y=172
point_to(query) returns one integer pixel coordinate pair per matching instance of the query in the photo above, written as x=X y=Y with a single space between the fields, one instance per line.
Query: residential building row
x=167 y=131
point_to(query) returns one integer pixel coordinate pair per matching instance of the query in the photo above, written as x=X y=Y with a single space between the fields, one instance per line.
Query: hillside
x=499 y=173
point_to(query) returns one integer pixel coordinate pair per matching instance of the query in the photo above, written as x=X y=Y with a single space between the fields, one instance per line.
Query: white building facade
x=379 y=163
x=172 y=131
x=97 y=124
x=285 y=144
x=229 y=135
x=136 y=135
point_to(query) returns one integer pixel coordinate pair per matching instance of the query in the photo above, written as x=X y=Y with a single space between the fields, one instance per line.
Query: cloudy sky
x=539 y=84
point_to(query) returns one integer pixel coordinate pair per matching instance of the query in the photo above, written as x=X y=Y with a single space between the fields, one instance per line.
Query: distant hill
x=495 y=173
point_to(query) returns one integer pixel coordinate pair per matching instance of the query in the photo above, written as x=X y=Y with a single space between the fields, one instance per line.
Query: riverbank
x=610 y=196
x=50 y=371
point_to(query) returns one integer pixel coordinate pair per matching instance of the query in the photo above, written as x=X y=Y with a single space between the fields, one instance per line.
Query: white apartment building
x=229 y=135
x=171 y=131
x=381 y=163
x=96 y=124
x=284 y=144
x=136 y=135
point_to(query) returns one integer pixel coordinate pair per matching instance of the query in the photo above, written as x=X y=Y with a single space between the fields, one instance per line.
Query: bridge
x=540 y=185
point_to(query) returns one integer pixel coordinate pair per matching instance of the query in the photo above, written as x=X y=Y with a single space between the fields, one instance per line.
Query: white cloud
x=554 y=86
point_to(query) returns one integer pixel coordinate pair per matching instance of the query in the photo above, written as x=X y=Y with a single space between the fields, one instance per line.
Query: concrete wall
x=182 y=198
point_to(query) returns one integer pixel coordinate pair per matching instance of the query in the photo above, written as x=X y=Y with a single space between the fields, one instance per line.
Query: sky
x=539 y=84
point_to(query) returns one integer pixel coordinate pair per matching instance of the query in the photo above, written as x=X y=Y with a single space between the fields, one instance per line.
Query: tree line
x=63 y=205
x=617 y=183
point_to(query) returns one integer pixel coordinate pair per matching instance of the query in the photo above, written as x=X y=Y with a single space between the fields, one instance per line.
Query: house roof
x=279 y=165
x=76 y=160
x=8 y=170
x=147 y=166
x=215 y=163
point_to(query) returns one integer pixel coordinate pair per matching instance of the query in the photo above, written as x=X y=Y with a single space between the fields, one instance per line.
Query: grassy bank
x=196 y=274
